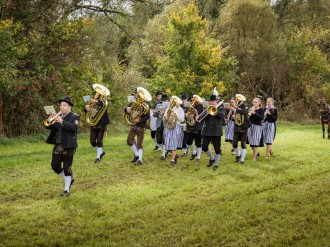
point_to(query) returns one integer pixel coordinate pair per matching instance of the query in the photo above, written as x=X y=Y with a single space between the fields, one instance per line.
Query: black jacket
x=272 y=117
x=199 y=125
x=212 y=125
x=69 y=131
x=257 y=118
x=243 y=109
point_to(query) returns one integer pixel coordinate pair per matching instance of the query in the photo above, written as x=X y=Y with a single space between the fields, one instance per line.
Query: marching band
x=175 y=123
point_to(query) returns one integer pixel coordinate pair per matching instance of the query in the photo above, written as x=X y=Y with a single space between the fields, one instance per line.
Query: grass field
x=280 y=201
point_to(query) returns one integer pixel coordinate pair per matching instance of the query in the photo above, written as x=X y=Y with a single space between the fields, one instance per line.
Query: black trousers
x=64 y=156
x=96 y=136
x=160 y=135
x=216 y=142
x=194 y=135
x=240 y=136
x=184 y=141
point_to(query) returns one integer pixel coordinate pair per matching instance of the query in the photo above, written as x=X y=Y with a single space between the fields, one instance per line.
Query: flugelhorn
x=51 y=120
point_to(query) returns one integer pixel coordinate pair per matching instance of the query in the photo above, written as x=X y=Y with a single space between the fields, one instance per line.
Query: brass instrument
x=210 y=110
x=51 y=120
x=94 y=115
x=192 y=112
x=139 y=107
x=172 y=118
x=239 y=118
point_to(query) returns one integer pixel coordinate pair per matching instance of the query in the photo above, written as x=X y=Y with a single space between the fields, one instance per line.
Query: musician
x=212 y=131
x=63 y=135
x=230 y=125
x=194 y=131
x=184 y=98
x=269 y=126
x=242 y=123
x=152 y=118
x=138 y=130
x=160 y=125
x=256 y=115
x=99 y=128
x=173 y=135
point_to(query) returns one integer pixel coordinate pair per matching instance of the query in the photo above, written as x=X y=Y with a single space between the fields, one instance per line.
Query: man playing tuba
x=136 y=115
x=97 y=117
x=242 y=123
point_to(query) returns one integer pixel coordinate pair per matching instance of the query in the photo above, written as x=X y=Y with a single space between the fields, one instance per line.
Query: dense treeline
x=256 y=47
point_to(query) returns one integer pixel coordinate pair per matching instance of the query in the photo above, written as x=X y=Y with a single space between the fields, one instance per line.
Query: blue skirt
x=173 y=138
x=230 y=131
x=254 y=135
x=268 y=130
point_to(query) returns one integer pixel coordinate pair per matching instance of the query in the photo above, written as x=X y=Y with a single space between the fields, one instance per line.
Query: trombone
x=211 y=110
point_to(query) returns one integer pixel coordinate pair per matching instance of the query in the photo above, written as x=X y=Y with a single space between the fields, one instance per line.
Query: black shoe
x=97 y=160
x=242 y=162
x=65 y=193
x=193 y=156
x=102 y=155
x=183 y=155
x=72 y=181
x=197 y=160
x=237 y=158
x=163 y=157
x=215 y=168
x=139 y=163
x=135 y=159
x=172 y=163
x=156 y=147
x=210 y=163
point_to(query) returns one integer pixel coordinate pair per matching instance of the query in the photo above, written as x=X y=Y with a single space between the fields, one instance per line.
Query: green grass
x=280 y=201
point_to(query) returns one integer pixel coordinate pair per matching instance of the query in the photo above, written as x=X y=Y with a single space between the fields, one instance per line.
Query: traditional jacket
x=65 y=134
x=212 y=125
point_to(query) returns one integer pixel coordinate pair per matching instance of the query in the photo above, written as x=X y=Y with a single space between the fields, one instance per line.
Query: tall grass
x=280 y=201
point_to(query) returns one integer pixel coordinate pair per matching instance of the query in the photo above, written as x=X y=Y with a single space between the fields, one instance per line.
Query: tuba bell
x=139 y=107
x=239 y=118
x=172 y=118
x=192 y=112
x=96 y=111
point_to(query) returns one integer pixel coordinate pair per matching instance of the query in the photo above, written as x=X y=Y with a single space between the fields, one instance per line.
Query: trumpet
x=211 y=110
x=51 y=120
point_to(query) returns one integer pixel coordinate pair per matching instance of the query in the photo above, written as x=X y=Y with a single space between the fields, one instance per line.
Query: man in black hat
x=185 y=107
x=212 y=131
x=63 y=135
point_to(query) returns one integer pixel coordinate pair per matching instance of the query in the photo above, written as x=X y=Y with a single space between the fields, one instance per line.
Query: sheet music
x=131 y=98
x=49 y=110
x=86 y=98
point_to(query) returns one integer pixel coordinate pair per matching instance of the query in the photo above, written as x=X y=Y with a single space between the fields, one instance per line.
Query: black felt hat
x=184 y=96
x=158 y=93
x=66 y=99
x=164 y=97
x=213 y=97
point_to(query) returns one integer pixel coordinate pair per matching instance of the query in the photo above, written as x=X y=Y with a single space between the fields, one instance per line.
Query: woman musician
x=256 y=115
x=173 y=135
x=230 y=125
x=269 y=126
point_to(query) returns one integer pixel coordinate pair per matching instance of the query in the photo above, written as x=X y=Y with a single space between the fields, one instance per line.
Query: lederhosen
x=138 y=131
x=64 y=138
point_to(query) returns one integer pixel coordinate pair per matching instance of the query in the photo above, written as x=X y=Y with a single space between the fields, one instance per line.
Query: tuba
x=192 y=112
x=211 y=110
x=139 y=107
x=239 y=118
x=172 y=118
x=96 y=111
